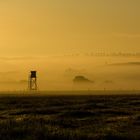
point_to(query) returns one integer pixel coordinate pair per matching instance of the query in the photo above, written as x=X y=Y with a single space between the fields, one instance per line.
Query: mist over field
x=58 y=72
x=42 y=28
x=87 y=57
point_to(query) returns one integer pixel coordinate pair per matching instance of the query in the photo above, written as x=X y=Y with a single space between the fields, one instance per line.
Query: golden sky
x=43 y=27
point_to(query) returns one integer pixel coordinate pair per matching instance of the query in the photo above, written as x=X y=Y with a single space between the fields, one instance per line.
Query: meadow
x=79 y=117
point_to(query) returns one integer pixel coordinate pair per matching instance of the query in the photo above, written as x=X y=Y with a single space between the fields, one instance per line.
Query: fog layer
x=58 y=72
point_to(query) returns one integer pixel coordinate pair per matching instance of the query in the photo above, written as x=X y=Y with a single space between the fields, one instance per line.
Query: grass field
x=86 y=117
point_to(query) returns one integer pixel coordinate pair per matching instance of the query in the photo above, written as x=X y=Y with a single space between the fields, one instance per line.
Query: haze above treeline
x=58 y=72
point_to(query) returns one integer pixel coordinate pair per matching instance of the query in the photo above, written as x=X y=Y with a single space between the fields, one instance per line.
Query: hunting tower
x=33 y=80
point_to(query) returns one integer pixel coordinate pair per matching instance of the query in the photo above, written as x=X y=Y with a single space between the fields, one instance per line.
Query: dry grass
x=70 y=117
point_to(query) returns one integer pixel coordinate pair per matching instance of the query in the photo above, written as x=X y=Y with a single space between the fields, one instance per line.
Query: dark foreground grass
x=70 y=117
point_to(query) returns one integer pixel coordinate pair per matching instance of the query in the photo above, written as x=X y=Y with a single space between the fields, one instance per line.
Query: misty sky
x=43 y=27
x=36 y=35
